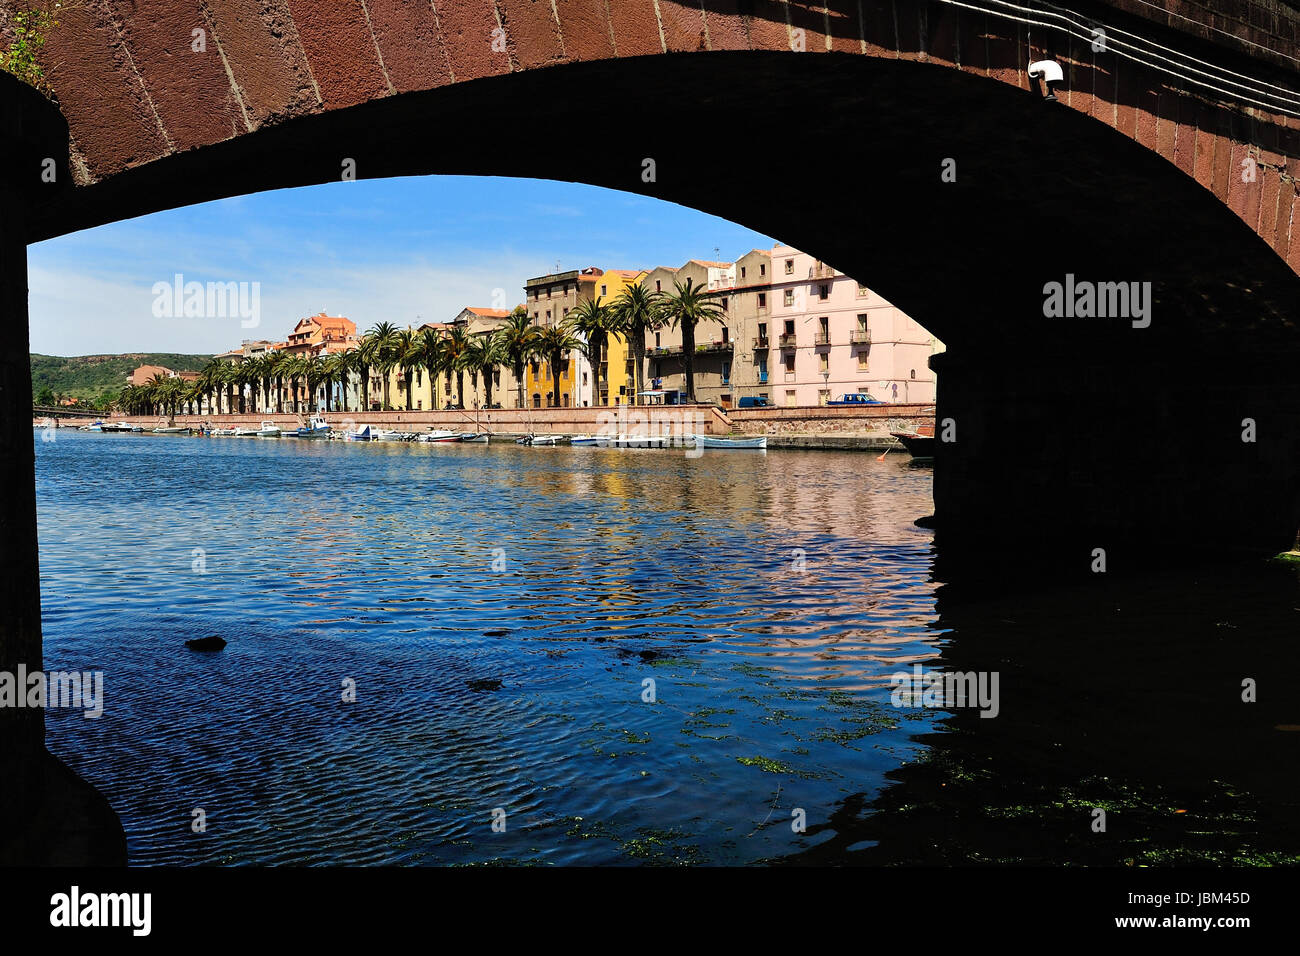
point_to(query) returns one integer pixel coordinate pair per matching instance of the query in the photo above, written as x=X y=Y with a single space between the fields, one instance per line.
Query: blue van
x=751 y=401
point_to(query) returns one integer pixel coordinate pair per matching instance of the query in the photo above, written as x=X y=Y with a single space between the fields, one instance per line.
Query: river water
x=447 y=654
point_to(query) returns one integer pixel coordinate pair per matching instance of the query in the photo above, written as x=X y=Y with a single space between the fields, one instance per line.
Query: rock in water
x=213 y=643
x=484 y=684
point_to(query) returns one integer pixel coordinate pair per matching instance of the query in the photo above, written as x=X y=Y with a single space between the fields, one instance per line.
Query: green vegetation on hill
x=91 y=377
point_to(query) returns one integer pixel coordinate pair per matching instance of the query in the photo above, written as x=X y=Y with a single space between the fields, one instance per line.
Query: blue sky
x=403 y=250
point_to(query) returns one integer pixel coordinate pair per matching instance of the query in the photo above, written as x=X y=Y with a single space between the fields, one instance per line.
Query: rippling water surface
x=766 y=596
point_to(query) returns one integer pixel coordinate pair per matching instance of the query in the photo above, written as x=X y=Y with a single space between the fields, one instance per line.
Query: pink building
x=829 y=336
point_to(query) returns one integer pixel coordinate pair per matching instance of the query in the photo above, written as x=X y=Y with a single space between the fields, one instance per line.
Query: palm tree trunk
x=407 y=376
x=460 y=388
x=555 y=375
x=487 y=385
x=638 y=376
x=688 y=359
x=519 y=380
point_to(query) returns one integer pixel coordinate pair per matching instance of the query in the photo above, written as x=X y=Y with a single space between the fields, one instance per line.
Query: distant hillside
x=89 y=376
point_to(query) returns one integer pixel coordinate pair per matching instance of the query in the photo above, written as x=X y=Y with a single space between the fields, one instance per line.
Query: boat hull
x=740 y=444
x=918 y=446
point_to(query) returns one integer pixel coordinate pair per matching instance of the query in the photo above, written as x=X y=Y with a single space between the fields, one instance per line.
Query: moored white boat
x=711 y=441
x=392 y=435
x=439 y=435
x=317 y=427
x=269 y=430
x=479 y=438
x=243 y=431
x=363 y=433
x=583 y=440
x=646 y=441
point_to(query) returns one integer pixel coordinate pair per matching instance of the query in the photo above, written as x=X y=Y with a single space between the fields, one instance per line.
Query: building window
x=862 y=360
x=913 y=373
x=762 y=300
x=862 y=291
x=548 y=315
x=742 y=272
x=658 y=286
x=789 y=297
x=762 y=271
x=604 y=290
x=823 y=396
x=725 y=335
x=790 y=397
x=726 y=373
x=656 y=340
x=788 y=360
x=537 y=400
x=823 y=291
x=566 y=399
x=789 y=267
x=724 y=303
x=824 y=362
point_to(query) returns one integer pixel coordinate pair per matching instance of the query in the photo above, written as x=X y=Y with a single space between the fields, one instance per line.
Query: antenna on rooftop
x=717 y=254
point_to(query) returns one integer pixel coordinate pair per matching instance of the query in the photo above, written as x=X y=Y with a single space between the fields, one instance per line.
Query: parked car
x=493 y=405
x=752 y=401
x=454 y=408
x=856 y=398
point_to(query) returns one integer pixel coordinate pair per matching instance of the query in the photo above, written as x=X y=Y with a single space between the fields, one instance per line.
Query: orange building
x=322 y=333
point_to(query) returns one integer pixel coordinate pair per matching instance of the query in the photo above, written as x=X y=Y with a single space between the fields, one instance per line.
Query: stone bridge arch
x=1071 y=434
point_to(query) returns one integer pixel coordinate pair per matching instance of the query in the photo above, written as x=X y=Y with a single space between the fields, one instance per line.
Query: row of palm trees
x=229 y=386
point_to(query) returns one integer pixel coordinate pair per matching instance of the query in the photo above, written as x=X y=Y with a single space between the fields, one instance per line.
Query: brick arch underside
x=839 y=154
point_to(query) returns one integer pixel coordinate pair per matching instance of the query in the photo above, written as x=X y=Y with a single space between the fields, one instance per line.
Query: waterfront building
x=714 y=343
x=831 y=335
x=549 y=299
x=749 y=313
x=483 y=321
x=614 y=377
x=144 y=374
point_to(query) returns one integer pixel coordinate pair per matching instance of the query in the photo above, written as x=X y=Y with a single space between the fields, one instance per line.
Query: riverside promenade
x=829 y=427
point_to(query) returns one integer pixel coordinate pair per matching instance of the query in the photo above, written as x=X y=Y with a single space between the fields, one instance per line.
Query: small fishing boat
x=269 y=430
x=243 y=431
x=172 y=430
x=439 y=435
x=92 y=427
x=710 y=441
x=316 y=427
x=647 y=441
x=392 y=435
x=541 y=440
x=362 y=433
x=223 y=432
x=478 y=438
x=583 y=440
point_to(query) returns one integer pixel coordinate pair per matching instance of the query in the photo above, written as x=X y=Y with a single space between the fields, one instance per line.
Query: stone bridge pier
x=48 y=815
x=1127 y=452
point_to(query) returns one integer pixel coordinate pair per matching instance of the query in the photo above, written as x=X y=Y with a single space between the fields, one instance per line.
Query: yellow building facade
x=615 y=383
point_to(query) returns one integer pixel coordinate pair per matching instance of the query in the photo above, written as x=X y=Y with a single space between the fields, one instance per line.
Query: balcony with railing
x=713 y=347
x=760 y=341
x=822 y=339
x=786 y=341
x=860 y=337
x=821 y=270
